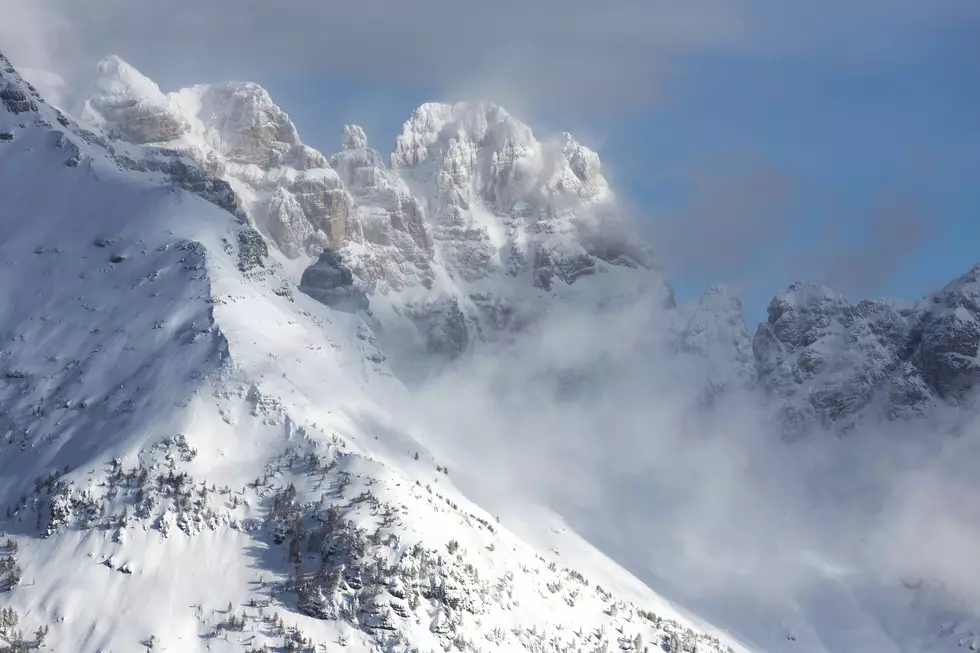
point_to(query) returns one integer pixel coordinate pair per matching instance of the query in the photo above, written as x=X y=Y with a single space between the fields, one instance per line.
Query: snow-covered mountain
x=473 y=228
x=205 y=334
x=196 y=456
x=466 y=233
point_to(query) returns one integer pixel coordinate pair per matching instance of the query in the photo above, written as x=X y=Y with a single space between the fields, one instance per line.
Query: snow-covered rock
x=236 y=132
x=388 y=246
x=125 y=102
x=833 y=362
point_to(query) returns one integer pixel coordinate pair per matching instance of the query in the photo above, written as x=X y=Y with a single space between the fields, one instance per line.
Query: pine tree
x=39 y=635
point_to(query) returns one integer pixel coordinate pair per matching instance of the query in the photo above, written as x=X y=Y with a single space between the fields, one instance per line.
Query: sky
x=759 y=142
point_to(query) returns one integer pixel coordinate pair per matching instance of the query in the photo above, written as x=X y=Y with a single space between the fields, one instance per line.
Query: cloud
x=737 y=218
x=553 y=52
x=568 y=50
x=595 y=416
x=889 y=232
x=929 y=526
x=743 y=221
x=30 y=31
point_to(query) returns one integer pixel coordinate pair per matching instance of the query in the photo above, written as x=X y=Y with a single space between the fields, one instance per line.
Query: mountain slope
x=197 y=457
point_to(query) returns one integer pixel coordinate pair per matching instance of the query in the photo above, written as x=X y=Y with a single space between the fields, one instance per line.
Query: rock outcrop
x=331 y=282
x=829 y=360
x=234 y=131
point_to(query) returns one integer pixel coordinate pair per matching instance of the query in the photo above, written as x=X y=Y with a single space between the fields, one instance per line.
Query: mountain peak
x=115 y=66
x=117 y=79
x=478 y=123
x=836 y=363
x=968 y=282
x=123 y=101
x=353 y=137
x=804 y=298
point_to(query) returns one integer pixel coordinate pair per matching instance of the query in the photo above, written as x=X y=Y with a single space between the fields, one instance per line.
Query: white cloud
x=552 y=51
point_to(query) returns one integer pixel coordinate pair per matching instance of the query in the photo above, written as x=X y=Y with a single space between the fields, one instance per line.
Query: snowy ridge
x=234 y=131
x=195 y=457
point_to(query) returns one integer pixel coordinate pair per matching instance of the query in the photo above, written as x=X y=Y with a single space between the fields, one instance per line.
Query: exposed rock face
x=512 y=219
x=945 y=340
x=829 y=360
x=16 y=99
x=498 y=200
x=389 y=243
x=184 y=173
x=243 y=124
x=331 y=282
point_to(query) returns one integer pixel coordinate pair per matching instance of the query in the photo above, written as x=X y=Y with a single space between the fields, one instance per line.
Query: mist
x=598 y=416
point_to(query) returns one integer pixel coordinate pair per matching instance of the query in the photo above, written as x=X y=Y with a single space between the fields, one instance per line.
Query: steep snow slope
x=196 y=457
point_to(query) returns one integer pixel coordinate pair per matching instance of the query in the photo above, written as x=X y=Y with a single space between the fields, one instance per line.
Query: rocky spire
x=353 y=138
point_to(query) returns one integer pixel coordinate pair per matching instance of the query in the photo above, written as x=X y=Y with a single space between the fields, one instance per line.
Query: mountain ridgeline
x=472 y=227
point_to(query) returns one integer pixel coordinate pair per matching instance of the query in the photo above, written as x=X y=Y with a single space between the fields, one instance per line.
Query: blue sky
x=759 y=142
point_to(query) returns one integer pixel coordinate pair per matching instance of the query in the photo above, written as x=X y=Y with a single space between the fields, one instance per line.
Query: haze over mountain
x=240 y=372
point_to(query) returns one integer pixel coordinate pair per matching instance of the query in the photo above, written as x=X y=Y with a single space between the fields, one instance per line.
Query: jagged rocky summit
x=469 y=214
x=458 y=235
x=831 y=361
